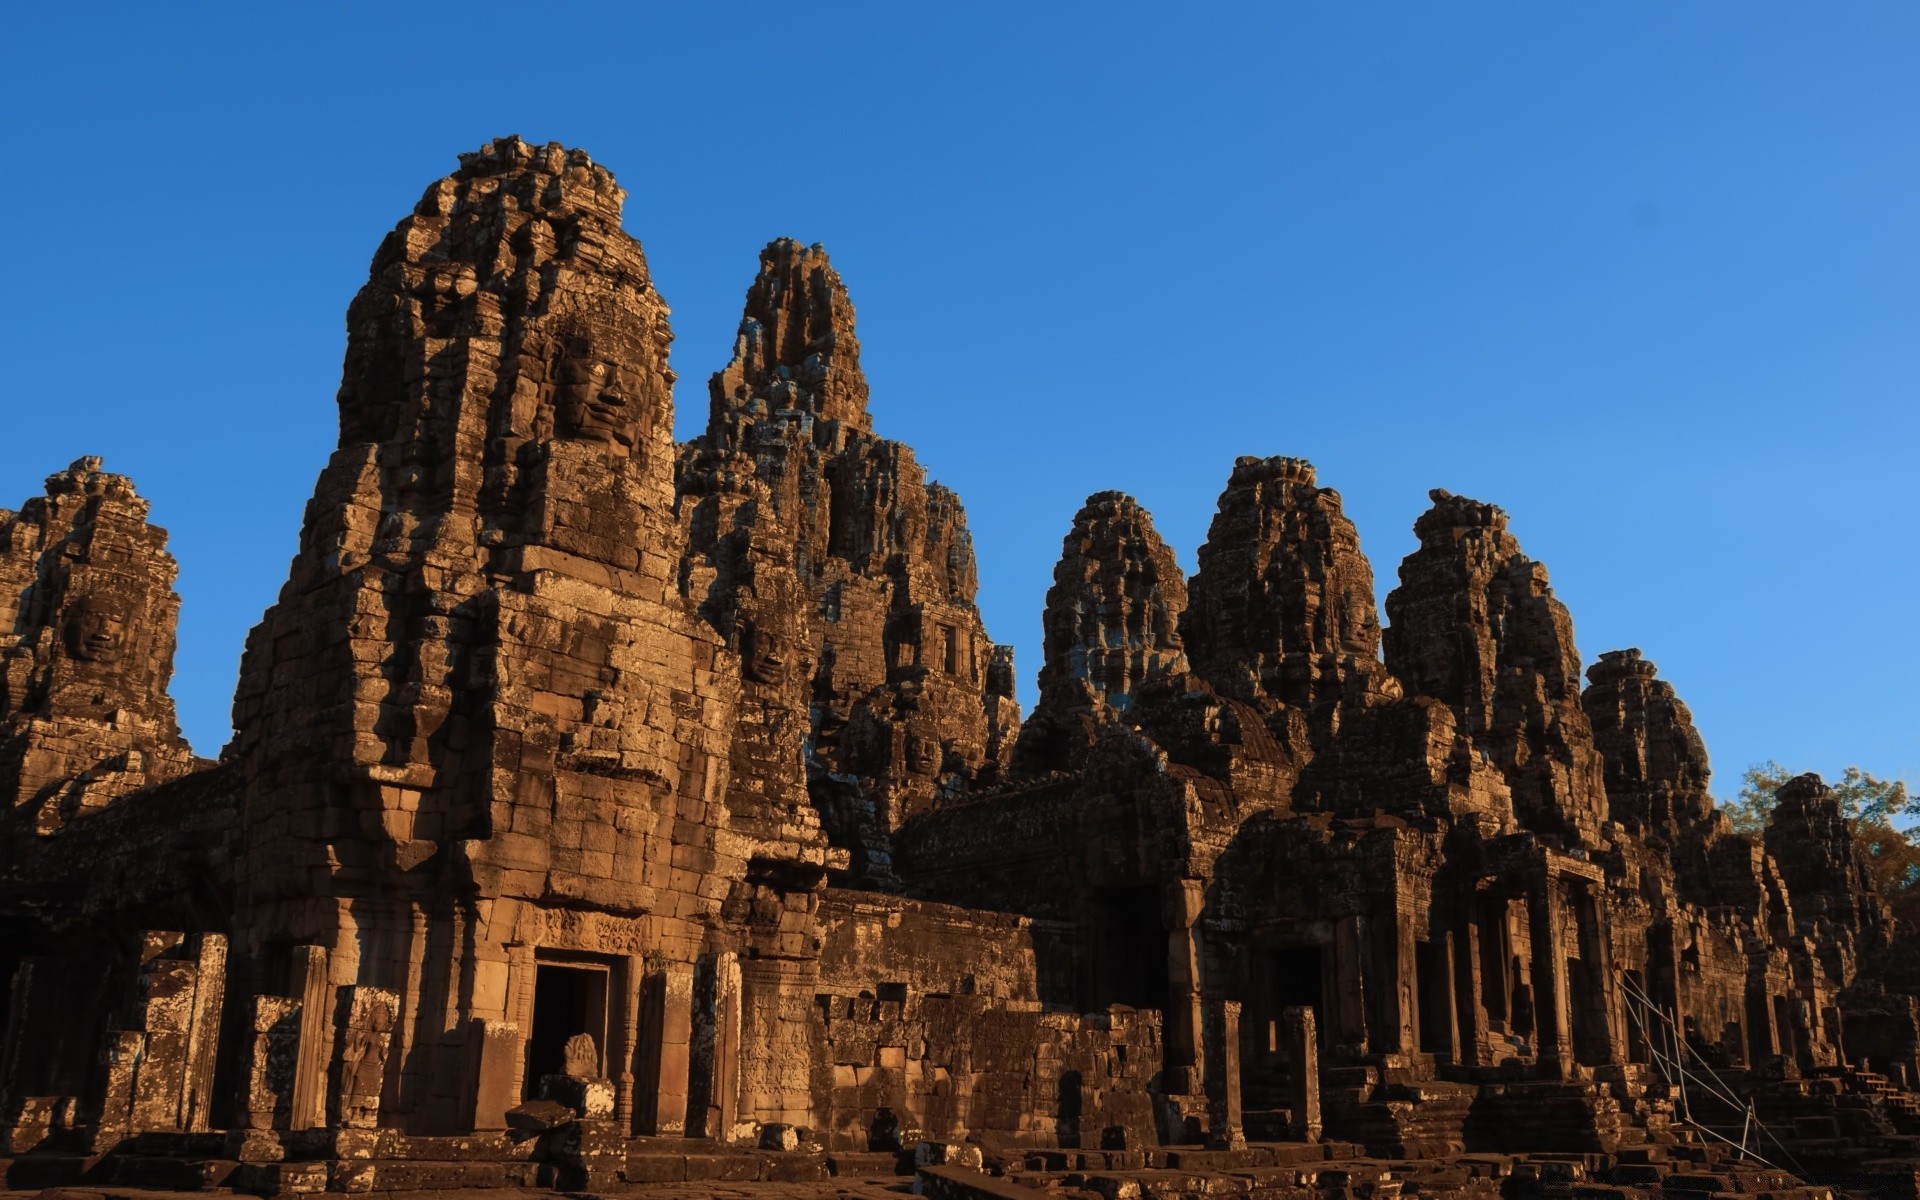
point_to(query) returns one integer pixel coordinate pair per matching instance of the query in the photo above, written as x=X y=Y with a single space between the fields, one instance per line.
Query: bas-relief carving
x=96 y=630
x=595 y=397
x=764 y=652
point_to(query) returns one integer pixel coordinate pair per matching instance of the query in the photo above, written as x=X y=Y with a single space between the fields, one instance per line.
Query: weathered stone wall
x=929 y=1019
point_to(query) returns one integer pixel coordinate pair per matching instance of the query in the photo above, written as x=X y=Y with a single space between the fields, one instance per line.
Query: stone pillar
x=366 y=1038
x=1470 y=1029
x=667 y=1036
x=1226 y=1130
x=120 y=1064
x=266 y=1096
x=621 y=1055
x=496 y=1068
x=1300 y=1041
x=1549 y=977
x=203 y=1039
x=1185 y=1053
x=1350 y=984
x=1393 y=977
x=308 y=1105
x=726 y=1046
x=1663 y=985
x=163 y=1012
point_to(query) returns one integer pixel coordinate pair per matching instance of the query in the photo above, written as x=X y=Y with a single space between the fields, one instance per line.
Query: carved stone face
x=595 y=400
x=763 y=653
x=96 y=630
x=923 y=752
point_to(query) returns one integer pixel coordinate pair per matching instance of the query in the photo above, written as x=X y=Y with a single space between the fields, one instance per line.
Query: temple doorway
x=1130 y=966
x=569 y=998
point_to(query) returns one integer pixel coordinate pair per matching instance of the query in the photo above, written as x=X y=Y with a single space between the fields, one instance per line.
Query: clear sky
x=1647 y=275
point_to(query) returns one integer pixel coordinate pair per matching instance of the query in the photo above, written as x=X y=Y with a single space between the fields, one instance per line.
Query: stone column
x=661 y=1084
x=266 y=1095
x=1348 y=1005
x=1226 y=1130
x=120 y=1063
x=1393 y=976
x=163 y=1011
x=1300 y=1040
x=1443 y=993
x=1596 y=953
x=1470 y=1029
x=726 y=1045
x=1549 y=976
x=496 y=1068
x=203 y=1041
x=1185 y=1054
x=315 y=994
x=626 y=1037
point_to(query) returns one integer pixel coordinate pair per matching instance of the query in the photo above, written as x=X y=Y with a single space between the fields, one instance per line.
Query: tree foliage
x=1863 y=798
x=1875 y=808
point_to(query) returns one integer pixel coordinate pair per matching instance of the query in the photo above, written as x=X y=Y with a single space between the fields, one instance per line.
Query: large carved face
x=96 y=630
x=595 y=398
x=763 y=653
x=923 y=751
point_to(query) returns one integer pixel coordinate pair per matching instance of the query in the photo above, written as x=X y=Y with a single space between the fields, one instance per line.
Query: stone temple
x=610 y=814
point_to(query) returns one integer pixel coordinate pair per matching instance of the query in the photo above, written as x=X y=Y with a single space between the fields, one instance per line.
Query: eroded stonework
x=87 y=615
x=608 y=813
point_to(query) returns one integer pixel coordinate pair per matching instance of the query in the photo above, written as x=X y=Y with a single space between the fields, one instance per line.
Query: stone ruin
x=606 y=813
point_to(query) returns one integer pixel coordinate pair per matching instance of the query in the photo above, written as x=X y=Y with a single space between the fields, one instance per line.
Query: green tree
x=1863 y=797
x=1874 y=808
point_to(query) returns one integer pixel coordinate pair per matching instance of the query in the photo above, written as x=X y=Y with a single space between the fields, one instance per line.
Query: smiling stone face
x=96 y=630
x=922 y=751
x=764 y=653
x=595 y=399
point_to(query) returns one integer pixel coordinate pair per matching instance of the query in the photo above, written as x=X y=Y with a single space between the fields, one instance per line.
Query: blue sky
x=1647 y=275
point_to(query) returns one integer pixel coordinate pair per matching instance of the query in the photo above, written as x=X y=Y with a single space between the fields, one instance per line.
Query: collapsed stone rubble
x=603 y=812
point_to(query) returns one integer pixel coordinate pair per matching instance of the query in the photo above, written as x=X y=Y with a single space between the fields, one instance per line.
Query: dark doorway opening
x=1495 y=946
x=1131 y=967
x=1634 y=988
x=1435 y=997
x=1296 y=981
x=568 y=999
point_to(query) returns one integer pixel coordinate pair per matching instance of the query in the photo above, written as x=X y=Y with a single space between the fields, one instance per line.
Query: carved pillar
x=120 y=1061
x=203 y=1041
x=626 y=1039
x=315 y=994
x=1470 y=1030
x=1185 y=1054
x=726 y=1046
x=1393 y=975
x=266 y=1095
x=1301 y=1042
x=1350 y=984
x=1442 y=994
x=1225 y=1127
x=1598 y=999
x=1549 y=975
x=163 y=1014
